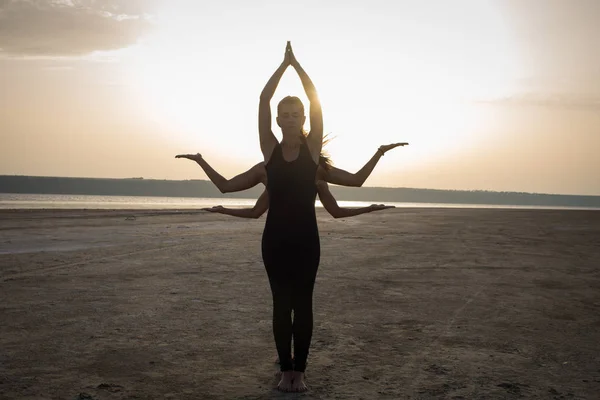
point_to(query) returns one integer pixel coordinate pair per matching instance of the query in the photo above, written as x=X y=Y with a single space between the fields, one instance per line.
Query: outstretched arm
x=332 y=207
x=266 y=136
x=315 y=136
x=243 y=181
x=342 y=177
x=262 y=204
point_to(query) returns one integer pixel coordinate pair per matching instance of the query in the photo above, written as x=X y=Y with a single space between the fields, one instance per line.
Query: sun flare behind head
x=376 y=90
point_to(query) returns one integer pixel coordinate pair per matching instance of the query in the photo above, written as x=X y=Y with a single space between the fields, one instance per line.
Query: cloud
x=70 y=27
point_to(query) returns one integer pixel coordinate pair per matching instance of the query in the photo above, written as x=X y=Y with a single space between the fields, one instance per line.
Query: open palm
x=377 y=207
x=193 y=157
x=214 y=209
x=386 y=147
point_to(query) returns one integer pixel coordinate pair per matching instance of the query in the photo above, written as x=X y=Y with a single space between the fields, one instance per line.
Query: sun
x=205 y=91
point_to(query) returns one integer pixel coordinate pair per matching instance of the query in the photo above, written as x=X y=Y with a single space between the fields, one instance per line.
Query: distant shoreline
x=205 y=189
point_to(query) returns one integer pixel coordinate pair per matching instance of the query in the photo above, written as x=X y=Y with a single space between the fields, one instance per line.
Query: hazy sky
x=498 y=94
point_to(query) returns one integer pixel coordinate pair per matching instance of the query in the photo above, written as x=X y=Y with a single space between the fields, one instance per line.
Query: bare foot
x=278 y=373
x=285 y=384
x=298 y=384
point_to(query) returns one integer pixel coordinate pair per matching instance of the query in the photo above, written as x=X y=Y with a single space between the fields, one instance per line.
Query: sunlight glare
x=420 y=89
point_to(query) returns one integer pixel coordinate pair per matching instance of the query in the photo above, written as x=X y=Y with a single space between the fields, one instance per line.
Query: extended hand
x=214 y=209
x=386 y=147
x=377 y=207
x=194 y=157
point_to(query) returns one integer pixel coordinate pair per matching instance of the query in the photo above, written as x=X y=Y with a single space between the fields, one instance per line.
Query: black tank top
x=292 y=193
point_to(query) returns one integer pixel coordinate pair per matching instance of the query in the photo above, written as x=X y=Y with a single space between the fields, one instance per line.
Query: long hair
x=324 y=158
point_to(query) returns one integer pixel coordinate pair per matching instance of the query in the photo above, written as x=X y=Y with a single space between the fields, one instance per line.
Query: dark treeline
x=202 y=188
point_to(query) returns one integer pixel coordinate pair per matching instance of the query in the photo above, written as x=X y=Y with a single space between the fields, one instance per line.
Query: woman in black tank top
x=290 y=242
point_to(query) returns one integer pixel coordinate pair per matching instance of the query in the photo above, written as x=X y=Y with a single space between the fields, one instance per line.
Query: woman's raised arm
x=268 y=141
x=315 y=136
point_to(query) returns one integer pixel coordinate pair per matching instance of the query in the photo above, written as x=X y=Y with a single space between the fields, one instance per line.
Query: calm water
x=39 y=201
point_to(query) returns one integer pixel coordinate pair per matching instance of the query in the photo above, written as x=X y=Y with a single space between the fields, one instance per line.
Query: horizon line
x=340 y=186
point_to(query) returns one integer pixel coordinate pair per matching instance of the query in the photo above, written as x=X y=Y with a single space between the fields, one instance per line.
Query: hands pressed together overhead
x=289 y=57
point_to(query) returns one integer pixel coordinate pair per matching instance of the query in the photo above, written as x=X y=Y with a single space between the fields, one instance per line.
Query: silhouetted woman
x=290 y=242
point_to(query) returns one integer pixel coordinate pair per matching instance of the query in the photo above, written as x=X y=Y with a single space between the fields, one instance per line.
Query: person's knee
x=303 y=310
x=282 y=307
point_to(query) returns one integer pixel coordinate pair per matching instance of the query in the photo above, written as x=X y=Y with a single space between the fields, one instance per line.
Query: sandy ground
x=409 y=303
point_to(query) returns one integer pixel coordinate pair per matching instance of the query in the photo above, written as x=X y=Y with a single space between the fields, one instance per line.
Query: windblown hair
x=324 y=159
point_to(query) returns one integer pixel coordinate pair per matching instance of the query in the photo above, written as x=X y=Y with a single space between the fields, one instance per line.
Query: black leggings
x=292 y=271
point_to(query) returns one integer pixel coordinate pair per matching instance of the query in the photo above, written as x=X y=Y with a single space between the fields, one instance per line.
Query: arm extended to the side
x=243 y=181
x=332 y=207
x=329 y=203
x=342 y=177
x=259 y=208
x=257 y=173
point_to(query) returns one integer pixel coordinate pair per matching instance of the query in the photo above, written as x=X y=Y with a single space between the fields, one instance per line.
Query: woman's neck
x=291 y=140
